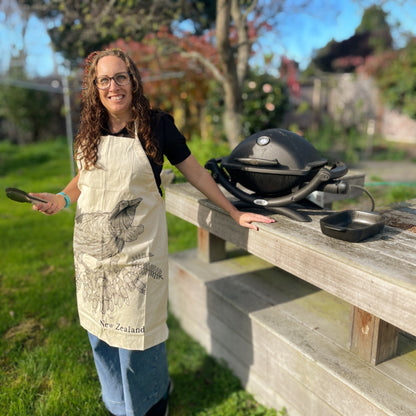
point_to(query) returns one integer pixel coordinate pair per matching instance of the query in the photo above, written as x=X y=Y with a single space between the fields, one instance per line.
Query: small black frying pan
x=21 y=196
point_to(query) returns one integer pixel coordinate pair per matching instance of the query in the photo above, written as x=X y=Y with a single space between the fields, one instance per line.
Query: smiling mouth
x=116 y=97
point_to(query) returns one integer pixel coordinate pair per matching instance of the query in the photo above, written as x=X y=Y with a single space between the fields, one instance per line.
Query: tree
x=79 y=27
x=200 y=14
x=371 y=37
x=238 y=24
x=374 y=22
x=265 y=101
x=26 y=109
x=394 y=72
x=29 y=110
x=233 y=62
x=83 y=26
x=173 y=80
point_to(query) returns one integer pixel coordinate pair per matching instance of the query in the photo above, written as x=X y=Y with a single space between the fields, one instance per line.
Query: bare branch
x=249 y=9
x=206 y=63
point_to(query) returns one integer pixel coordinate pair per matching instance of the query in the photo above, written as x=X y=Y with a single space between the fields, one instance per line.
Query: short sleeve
x=172 y=142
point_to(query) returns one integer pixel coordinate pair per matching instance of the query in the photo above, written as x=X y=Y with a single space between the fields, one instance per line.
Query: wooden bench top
x=377 y=275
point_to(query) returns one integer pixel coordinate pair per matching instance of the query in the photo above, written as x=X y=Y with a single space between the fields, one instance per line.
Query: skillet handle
x=334 y=227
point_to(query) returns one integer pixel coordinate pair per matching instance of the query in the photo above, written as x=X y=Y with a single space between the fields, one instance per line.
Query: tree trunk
x=233 y=113
x=231 y=85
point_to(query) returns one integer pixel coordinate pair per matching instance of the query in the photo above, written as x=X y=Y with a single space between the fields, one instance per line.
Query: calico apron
x=120 y=248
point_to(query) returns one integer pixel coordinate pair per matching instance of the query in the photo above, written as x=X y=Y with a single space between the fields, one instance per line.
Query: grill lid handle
x=257 y=161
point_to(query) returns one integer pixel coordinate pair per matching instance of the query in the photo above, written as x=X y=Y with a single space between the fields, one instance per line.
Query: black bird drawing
x=104 y=234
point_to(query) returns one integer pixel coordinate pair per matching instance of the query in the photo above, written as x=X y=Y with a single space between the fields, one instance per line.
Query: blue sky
x=40 y=59
x=309 y=29
x=299 y=34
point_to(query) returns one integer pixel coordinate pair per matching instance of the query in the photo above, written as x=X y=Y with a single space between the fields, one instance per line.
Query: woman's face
x=116 y=99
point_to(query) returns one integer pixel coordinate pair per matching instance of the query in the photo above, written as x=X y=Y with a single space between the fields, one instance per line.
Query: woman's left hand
x=246 y=219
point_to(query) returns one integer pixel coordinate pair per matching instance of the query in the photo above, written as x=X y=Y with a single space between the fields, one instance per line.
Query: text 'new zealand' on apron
x=120 y=248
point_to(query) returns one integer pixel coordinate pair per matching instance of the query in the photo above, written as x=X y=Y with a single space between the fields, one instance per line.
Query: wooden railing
x=377 y=276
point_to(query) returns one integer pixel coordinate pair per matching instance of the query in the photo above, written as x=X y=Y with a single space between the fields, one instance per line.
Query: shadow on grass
x=200 y=381
x=201 y=389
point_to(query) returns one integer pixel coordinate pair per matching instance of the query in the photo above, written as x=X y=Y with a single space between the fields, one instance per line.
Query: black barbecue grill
x=276 y=168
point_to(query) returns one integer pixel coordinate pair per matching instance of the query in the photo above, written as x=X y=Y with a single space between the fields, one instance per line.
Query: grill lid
x=275 y=151
x=273 y=162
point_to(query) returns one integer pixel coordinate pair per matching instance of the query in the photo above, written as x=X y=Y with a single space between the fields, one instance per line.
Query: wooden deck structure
x=318 y=325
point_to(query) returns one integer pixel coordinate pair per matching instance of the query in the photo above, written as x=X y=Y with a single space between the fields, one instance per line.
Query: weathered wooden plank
x=390 y=253
x=402 y=215
x=394 y=243
x=371 y=338
x=365 y=274
x=398 y=368
x=263 y=334
x=210 y=247
x=383 y=250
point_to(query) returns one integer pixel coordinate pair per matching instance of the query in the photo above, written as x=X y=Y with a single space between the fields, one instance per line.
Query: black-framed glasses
x=122 y=78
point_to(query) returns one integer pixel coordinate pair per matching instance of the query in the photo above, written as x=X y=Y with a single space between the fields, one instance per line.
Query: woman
x=120 y=236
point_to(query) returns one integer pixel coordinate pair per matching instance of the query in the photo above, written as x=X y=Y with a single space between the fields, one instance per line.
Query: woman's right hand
x=54 y=205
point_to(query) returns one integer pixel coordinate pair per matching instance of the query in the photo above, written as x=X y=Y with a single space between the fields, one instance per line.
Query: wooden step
x=285 y=339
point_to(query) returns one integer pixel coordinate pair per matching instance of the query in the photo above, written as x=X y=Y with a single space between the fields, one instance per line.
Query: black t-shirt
x=170 y=142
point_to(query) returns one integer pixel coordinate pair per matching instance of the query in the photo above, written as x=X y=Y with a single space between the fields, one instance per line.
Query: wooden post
x=372 y=339
x=210 y=247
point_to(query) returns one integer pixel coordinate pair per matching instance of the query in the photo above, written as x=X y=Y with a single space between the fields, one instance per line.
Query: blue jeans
x=131 y=381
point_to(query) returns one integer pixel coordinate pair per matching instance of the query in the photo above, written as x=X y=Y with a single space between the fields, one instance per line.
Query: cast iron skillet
x=351 y=225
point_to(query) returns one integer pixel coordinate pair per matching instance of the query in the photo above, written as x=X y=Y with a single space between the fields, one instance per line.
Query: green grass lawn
x=46 y=367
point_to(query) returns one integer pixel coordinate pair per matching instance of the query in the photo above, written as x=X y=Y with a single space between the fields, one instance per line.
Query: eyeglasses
x=123 y=78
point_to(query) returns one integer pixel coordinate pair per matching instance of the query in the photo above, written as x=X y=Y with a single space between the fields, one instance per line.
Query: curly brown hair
x=94 y=116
